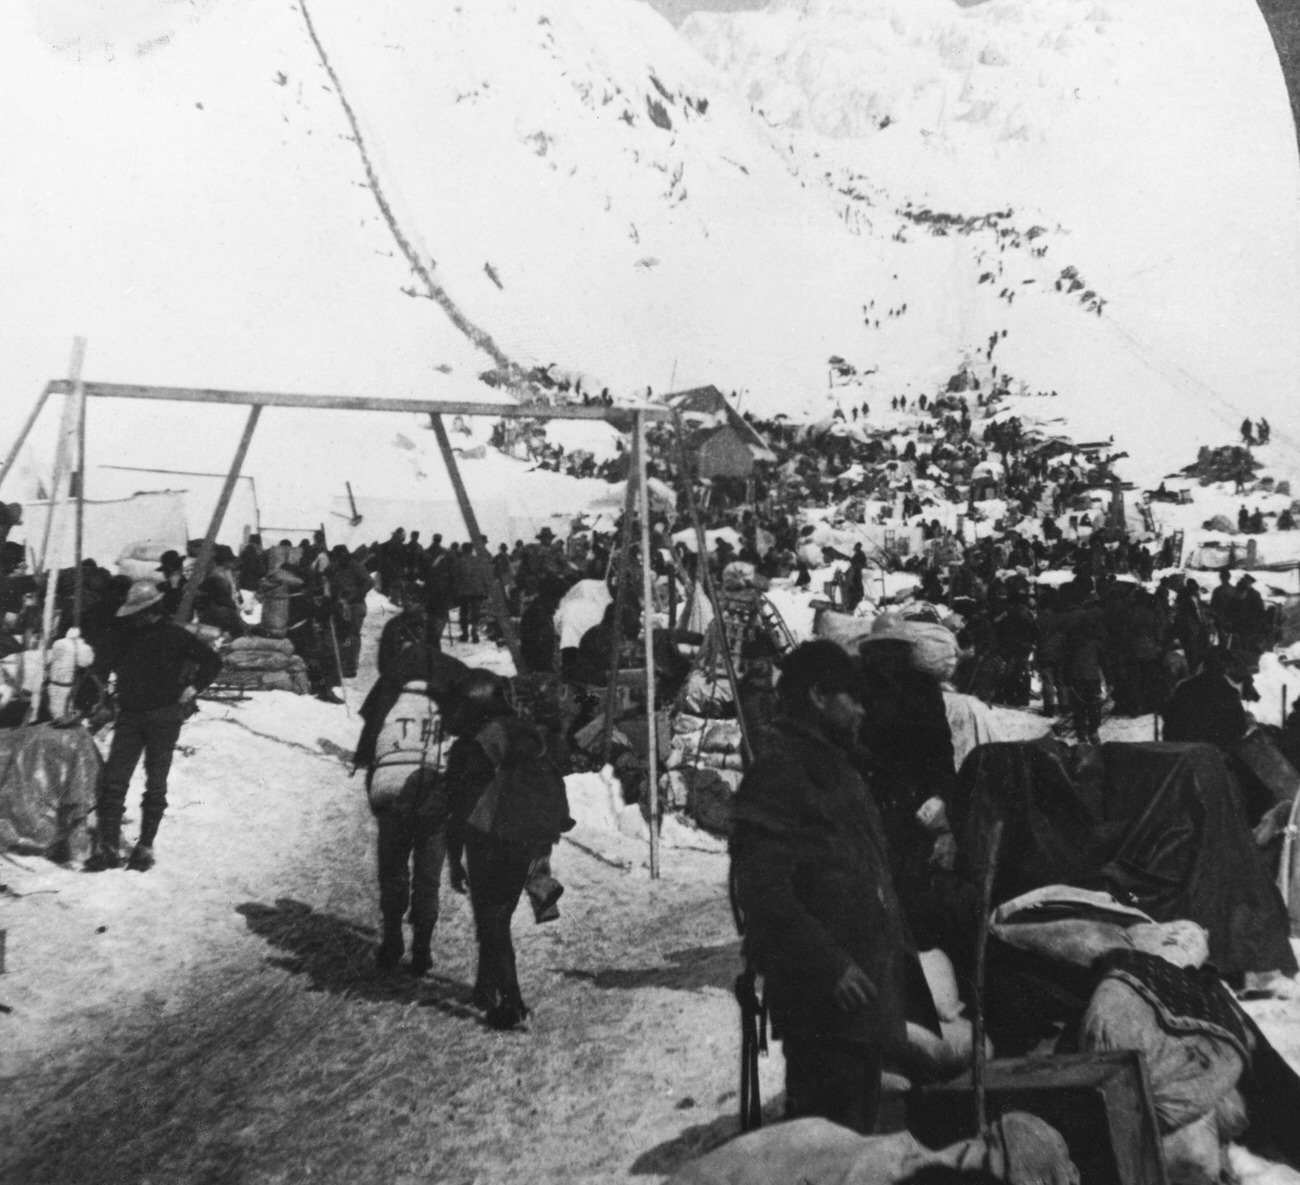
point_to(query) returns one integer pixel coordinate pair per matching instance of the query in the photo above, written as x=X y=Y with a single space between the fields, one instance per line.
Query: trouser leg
x=396 y=839
x=129 y=739
x=394 y=852
x=496 y=880
x=162 y=730
x=428 y=850
x=833 y=1081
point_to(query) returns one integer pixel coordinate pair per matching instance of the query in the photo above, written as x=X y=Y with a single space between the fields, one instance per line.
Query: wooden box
x=1099 y=1102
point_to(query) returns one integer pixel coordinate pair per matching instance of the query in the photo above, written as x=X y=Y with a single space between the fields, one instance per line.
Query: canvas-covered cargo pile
x=47 y=790
x=1158 y=826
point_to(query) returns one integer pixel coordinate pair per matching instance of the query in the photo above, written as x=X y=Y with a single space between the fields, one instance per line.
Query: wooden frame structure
x=628 y=419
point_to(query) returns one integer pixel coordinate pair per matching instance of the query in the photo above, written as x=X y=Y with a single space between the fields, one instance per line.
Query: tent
x=157 y=520
x=1157 y=825
x=47 y=789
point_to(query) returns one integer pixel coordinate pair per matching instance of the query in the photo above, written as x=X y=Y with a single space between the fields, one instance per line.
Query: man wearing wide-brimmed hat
x=159 y=667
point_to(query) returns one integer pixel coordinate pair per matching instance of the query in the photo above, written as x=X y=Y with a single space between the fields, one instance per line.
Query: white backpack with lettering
x=410 y=740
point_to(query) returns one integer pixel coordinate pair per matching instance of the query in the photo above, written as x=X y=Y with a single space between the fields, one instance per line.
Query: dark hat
x=1246 y=579
x=821 y=664
x=546 y=534
x=170 y=561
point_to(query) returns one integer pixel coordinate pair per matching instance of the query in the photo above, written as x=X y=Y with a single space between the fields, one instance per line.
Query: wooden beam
x=21 y=439
x=204 y=561
x=620 y=417
x=704 y=578
x=500 y=609
x=620 y=604
x=78 y=573
x=647 y=584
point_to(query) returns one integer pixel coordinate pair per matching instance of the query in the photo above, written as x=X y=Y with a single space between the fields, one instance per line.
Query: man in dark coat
x=906 y=734
x=508 y=808
x=1207 y=708
x=473 y=586
x=811 y=875
x=1223 y=602
x=1249 y=618
x=1085 y=658
x=160 y=668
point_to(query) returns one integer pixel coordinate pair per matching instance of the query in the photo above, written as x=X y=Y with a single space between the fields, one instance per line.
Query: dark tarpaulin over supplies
x=47 y=789
x=1159 y=826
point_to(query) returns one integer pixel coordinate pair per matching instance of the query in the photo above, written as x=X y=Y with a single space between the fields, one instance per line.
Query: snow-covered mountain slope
x=1154 y=144
x=195 y=187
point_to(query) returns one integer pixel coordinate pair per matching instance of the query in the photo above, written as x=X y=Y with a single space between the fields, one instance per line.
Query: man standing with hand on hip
x=811 y=876
x=160 y=668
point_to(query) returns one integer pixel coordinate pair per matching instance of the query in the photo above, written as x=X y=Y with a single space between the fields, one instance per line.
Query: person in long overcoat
x=1207 y=708
x=810 y=871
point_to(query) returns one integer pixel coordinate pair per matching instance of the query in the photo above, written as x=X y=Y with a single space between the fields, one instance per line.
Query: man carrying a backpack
x=403 y=750
x=508 y=808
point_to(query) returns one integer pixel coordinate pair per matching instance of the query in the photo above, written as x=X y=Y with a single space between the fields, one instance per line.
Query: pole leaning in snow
x=204 y=561
x=647 y=601
x=620 y=601
x=498 y=597
x=705 y=579
x=21 y=438
x=62 y=462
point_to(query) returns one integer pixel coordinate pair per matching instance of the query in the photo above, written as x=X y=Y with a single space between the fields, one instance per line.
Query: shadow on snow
x=337 y=955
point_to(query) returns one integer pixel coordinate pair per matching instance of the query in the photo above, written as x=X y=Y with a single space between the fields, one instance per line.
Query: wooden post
x=78 y=575
x=204 y=561
x=62 y=461
x=647 y=587
x=620 y=604
x=978 y=1055
x=21 y=439
x=61 y=464
x=705 y=578
x=499 y=608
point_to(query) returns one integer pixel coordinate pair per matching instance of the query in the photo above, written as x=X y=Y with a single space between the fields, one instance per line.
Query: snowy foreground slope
x=568 y=182
x=220 y=1018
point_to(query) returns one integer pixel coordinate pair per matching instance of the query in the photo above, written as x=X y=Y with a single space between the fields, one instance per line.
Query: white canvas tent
x=110 y=528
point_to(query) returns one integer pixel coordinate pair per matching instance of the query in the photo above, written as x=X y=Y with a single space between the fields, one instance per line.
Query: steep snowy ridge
x=1162 y=144
x=587 y=190
x=186 y=188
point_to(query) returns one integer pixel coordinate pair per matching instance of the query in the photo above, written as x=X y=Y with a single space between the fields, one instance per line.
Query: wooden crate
x=1099 y=1102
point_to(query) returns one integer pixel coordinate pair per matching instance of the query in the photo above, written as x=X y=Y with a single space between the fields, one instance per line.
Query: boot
x=504 y=1017
x=148 y=829
x=389 y=953
x=421 y=957
x=141 y=858
x=105 y=854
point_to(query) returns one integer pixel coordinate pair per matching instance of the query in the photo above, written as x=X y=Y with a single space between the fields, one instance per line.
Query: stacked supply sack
x=934 y=645
x=264 y=664
x=704 y=769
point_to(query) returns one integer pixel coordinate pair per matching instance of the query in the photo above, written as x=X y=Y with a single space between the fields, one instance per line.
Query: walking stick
x=978 y=1057
x=338 y=663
